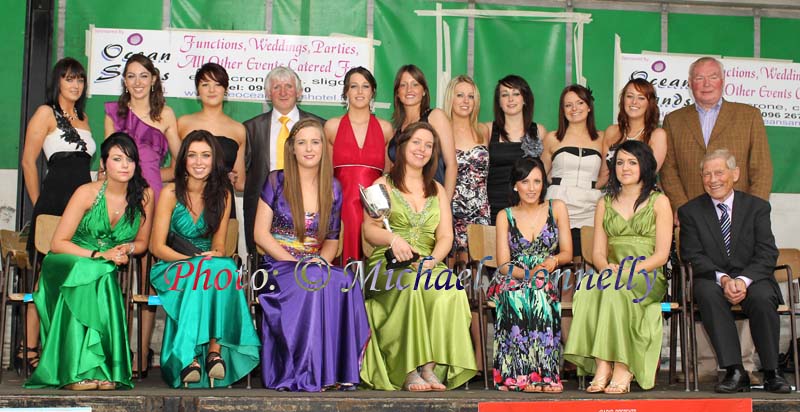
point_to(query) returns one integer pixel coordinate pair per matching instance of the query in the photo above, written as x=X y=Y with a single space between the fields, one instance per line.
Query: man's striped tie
x=725 y=223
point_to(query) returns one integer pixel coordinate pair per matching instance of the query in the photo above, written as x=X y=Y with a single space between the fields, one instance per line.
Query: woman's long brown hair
x=292 y=186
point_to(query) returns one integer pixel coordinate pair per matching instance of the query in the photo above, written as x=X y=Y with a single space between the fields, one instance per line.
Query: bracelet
x=391 y=244
x=132 y=248
x=555 y=258
x=94 y=253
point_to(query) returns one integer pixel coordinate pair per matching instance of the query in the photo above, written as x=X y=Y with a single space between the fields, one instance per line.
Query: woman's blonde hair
x=449 y=96
x=292 y=186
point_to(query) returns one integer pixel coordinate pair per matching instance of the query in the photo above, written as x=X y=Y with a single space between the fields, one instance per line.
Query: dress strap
x=510 y=217
x=100 y=193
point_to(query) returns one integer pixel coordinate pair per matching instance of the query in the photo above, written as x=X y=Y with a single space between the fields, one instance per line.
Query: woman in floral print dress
x=527 y=342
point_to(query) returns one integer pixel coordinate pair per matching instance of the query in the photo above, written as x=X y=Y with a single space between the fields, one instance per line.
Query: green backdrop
x=535 y=50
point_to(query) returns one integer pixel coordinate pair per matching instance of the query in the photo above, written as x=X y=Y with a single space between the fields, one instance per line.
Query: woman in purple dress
x=142 y=113
x=314 y=327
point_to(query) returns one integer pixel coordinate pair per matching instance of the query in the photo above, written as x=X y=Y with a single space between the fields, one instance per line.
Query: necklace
x=634 y=137
x=70 y=117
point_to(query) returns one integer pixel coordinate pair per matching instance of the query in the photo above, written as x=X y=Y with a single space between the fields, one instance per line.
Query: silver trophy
x=378 y=205
x=376 y=202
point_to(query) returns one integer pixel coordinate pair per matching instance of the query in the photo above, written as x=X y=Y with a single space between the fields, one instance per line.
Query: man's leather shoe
x=735 y=380
x=775 y=382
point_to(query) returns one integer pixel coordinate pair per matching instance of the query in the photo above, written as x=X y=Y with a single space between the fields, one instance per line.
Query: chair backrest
x=789 y=257
x=587 y=244
x=45 y=228
x=232 y=238
x=482 y=240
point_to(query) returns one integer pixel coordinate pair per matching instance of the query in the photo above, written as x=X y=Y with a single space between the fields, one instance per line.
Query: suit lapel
x=710 y=216
x=741 y=209
x=696 y=130
x=724 y=118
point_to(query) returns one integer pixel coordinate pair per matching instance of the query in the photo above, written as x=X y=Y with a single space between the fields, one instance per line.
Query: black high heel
x=190 y=374
x=19 y=360
x=148 y=364
x=215 y=367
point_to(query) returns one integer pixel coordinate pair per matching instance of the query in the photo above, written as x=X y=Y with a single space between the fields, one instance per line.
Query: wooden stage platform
x=152 y=395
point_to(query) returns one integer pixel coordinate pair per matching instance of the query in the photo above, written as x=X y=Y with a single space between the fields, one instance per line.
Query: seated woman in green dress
x=617 y=324
x=83 y=327
x=207 y=312
x=420 y=333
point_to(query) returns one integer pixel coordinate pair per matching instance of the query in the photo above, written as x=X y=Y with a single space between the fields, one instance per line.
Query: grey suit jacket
x=257 y=163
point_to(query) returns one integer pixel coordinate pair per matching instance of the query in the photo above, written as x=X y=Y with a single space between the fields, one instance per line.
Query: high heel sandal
x=215 y=366
x=621 y=387
x=106 y=385
x=598 y=384
x=19 y=360
x=433 y=380
x=84 y=385
x=190 y=374
x=148 y=365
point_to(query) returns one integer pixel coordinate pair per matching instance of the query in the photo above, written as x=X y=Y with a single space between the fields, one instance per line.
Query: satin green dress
x=608 y=324
x=412 y=327
x=204 y=302
x=83 y=328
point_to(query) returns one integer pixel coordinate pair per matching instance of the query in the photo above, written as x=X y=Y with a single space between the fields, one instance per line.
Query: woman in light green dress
x=420 y=334
x=83 y=326
x=208 y=332
x=616 y=331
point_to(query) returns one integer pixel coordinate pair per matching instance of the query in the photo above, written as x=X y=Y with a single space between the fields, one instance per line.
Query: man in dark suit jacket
x=727 y=237
x=284 y=88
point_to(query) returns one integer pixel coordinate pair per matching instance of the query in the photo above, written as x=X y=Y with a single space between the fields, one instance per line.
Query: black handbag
x=393 y=263
x=181 y=245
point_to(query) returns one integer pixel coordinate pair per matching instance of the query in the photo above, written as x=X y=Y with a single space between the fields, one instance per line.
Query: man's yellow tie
x=282 y=136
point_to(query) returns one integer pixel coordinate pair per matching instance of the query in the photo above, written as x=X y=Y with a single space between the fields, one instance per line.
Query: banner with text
x=321 y=62
x=771 y=86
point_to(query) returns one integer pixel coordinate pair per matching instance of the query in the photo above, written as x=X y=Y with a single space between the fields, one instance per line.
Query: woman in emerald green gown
x=616 y=331
x=83 y=326
x=420 y=333
x=207 y=312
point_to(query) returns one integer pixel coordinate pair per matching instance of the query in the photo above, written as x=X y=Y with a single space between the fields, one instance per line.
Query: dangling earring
x=372 y=105
x=152 y=88
x=347 y=105
x=126 y=90
x=515 y=189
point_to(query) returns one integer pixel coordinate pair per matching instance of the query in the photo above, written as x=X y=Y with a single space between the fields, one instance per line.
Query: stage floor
x=152 y=395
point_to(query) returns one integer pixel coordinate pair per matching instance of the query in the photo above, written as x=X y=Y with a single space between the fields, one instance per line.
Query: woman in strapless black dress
x=211 y=82
x=513 y=134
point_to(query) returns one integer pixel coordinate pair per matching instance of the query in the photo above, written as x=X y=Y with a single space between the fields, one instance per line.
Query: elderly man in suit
x=727 y=237
x=266 y=134
x=695 y=130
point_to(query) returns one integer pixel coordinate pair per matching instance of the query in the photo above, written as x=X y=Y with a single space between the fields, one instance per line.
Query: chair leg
x=673 y=347
x=3 y=276
x=792 y=328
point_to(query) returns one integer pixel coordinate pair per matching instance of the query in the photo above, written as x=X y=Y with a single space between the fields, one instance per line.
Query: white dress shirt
x=275 y=130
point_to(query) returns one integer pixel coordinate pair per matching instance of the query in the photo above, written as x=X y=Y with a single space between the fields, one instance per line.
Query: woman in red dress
x=358 y=141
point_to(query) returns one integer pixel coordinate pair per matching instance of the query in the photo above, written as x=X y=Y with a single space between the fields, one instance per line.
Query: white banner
x=771 y=86
x=321 y=62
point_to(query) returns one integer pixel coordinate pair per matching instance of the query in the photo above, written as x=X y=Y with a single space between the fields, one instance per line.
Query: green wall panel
x=245 y=15
x=534 y=50
x=13 y=22
x=784 y=142
x=640 y=31
x=408 y=38
x=730 y=36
